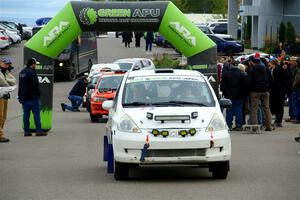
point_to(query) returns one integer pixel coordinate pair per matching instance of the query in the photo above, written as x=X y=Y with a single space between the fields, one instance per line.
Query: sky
x=27 y=11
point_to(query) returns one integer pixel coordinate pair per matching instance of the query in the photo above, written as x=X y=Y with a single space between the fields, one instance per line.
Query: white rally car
x=167 y=117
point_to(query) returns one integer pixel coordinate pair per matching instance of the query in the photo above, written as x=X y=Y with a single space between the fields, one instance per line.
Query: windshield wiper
x=180 y=103
x=136 y=103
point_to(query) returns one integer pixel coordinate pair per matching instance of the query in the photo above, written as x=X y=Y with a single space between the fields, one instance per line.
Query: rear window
x=125 y=66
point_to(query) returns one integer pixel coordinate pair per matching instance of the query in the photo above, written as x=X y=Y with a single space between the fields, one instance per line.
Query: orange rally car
x=105 y=89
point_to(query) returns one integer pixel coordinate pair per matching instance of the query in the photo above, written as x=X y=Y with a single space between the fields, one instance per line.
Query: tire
x=219 y=169
x=72 y=75
x=121 y=171
x=94 y=118
x=88 y=105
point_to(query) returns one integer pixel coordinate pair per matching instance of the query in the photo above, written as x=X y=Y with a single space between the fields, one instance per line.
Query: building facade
x=266 y=15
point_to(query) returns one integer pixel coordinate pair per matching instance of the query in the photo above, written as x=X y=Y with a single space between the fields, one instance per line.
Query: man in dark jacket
x=233 y=87
x=76 y=95
x=259 y=79
x=29 y=97
x=127 y=38
x=281 y=86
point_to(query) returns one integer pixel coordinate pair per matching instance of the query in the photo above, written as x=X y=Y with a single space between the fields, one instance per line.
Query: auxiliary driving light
x=192 y=131
x=183 y=133
x=155 y=132
x=165 y=133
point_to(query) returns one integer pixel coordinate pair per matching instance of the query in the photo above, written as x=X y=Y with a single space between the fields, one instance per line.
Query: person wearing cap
x=281 y=86
x=259 y=80
x=6 y=80
x=76 y=95
x=29 y=97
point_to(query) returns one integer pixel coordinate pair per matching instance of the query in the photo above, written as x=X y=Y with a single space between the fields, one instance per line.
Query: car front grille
x=174 y=152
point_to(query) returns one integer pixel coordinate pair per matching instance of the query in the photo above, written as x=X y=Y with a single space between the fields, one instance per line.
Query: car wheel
x=72 y=73
x=219 y=169
x=94 y=118
x=121 y=171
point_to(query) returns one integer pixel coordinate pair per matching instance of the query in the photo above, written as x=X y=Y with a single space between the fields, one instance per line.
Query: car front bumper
x=172 y=150
x=96 y=109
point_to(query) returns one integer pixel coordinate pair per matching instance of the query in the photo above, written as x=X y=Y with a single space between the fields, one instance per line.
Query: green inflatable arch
x=164 y=17
x=82 y=16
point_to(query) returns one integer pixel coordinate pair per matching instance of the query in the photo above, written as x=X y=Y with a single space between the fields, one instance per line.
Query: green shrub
x=165 y=61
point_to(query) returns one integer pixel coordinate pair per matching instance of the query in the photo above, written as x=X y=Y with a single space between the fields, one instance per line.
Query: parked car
x=132 y=64
x=105 y=89
x=245 y=57
x=4 y=40
x=169 y=117
x=227 y=47
x=221 y=28
x=13 y=35
x=207 y=30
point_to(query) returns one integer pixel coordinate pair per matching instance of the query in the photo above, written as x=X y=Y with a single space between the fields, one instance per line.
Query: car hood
x=138 y=115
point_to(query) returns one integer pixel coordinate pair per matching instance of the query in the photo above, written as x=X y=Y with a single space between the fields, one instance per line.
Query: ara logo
x=183 y=33
x=88 y=16
x=43 y=79
x=56 y=33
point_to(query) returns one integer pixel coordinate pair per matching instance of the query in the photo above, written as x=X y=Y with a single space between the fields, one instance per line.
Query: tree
x=290 y=34
x=281 y=32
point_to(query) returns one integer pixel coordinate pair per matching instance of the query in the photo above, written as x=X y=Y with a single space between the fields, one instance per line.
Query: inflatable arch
x=82 y=16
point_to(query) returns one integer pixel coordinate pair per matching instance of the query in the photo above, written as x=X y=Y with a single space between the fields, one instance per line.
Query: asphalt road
x=67 y=164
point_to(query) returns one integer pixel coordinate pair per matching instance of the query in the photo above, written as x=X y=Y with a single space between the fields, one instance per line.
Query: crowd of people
x=260 y=87
x=148 y=36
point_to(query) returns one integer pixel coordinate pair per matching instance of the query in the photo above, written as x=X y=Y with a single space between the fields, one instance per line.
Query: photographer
x=6 y=80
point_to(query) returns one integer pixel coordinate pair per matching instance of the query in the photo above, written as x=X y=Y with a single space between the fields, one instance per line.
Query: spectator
x=289 y=95
x=281 y=86
x=279 y=49
x=138 y=36
x=127 y=38
x=6 y=80
x=259 y=80
x=233 y=87
x=149 y=40
x=29 y=97
x=296 y=94
x=76 y=95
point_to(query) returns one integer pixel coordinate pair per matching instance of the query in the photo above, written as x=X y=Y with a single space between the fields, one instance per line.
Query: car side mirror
x=225 y=103
x=108 y=104
x=90 y=86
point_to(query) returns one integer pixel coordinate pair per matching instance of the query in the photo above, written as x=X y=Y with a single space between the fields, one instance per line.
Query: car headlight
x=127 y=125
x=61 y=64
x=98 y=99
x=217 y=123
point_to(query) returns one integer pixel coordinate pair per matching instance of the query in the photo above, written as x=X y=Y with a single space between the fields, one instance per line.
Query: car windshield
x=125 y=66
x=205 y=29
x=95 y=80
x=109 y=83
x=167 y=91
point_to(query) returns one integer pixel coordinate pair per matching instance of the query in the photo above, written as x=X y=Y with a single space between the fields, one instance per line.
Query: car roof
x=130 y=60
x=162 y=72
x=106 y=65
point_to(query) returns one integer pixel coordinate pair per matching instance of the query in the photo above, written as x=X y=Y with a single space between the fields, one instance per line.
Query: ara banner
x=163 y=17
